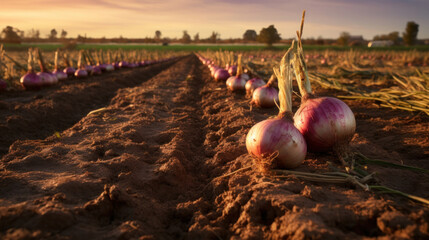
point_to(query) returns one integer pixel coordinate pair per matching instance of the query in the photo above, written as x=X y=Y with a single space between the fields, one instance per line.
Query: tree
x=250 y=35
x=158 y=35
x=197 y=37
x=344 y=38
x=10 y=35
x=63 y=34
x=186 y=38
x=410 y=34
x=53 y=34
x=214 y=37
x=269 y=35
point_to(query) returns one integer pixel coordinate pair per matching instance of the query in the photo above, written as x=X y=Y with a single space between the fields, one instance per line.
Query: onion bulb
x=31 y=81
x=278 y=138
x=80 y=72
x=59 y=74
x=221 y=75
x=327 y=123
x=266 y=96
x=236 y=83
x=252 y=84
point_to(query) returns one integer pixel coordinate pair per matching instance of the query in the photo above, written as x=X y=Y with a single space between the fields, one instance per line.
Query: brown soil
x=149 y=166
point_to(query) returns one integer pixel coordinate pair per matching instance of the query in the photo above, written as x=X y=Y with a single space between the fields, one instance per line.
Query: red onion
x=3 y=85
x=109 y=67
x=266 y=96
x=278 y=137
x=235 y=83
x=123 y=64
x=60 y=74
x=89 y=69
x=81 y=73
x=221 y=75
x=31 y=81
x=252 y=84
x=327 y=123
x=69 y=71
x=48 y=79
x=232 y=70
x=96 y=70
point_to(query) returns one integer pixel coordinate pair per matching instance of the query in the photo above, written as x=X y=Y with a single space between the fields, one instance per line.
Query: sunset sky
x=141 y=18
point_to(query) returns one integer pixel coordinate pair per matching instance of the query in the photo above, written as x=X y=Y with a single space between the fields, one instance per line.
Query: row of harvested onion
x=35 y=81
x=320 y=124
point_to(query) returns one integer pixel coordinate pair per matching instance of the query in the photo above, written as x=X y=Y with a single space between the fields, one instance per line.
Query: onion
x=3 y=85
x=60 y=74
x=232 y=70
x=236 y=83
x=123 y=64
x=47 y=77
x=109 y=67
x=252 y=84
x=327 y=123
x=266 y=96
x=278 y=137
x=80 y=72
x=221 y=75
x=88 y=68
x=96 y=70
x=31 y=81
x=69 y=71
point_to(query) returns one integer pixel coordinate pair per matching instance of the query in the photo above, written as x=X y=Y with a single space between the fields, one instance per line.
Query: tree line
x=268 y=36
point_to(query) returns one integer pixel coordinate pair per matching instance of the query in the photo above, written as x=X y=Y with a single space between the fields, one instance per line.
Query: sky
x=230 y=18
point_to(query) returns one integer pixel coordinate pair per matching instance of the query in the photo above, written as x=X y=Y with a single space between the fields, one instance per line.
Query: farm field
x=164 y=157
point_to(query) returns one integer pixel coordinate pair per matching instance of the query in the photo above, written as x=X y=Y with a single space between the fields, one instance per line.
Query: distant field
x=52 y=47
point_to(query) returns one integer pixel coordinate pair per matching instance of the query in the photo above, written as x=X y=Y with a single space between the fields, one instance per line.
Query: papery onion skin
x=272 y=136
x=221 y=75
x=235 y=83
x=253 y=84
x=265 y=96
x=325 y=122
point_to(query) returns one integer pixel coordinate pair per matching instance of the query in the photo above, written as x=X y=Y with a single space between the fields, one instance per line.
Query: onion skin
x=253 y=84
x=265 y=96
x=221 y=75
x=110 y=68
x=325 y=122
x=235 y=83
x=270 y=136
x=31 y=81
